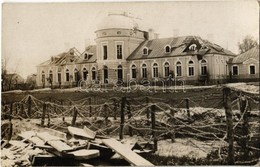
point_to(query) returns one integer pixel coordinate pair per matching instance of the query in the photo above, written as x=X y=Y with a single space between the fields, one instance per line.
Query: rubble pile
x=78 y=147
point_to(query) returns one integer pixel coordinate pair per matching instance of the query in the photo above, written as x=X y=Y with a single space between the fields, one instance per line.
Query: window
x=144 y=71
x=203 y=67
x=193 y=47
x=252 y=69
x=133 y=68
x=93 y=73
x=120 y=73
x=235 y=70
x=166 y=69
x=59 y=75
x=155 y=70
x=76 y=75
x=67 y=75
x=104 y=52
x=86 y=56
x=167 y=49
x=119 y=51
x=191 y=68
x=145 y=51
x=85 y=74
x=178 y=69
x=43 y=76
x=50 y=76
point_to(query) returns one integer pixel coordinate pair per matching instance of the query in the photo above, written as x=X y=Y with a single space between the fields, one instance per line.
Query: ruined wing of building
x=126 y=51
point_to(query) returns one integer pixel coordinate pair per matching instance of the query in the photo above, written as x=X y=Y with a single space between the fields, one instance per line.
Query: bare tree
x=248 y=43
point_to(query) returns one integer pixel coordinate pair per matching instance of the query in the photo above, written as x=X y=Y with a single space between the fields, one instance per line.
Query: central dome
x=117 y=21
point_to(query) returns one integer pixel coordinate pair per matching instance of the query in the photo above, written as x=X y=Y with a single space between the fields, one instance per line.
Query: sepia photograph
x=130 y=83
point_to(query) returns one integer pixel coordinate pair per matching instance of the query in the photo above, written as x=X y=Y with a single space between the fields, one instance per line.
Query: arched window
x=167 y=49
x=155 y=70
x=43 y=77
x=191 y=68
x=203 y=67
x=93 y=71
x=133 y=70
x=105 y=74
x=59 y=75
x=85 y=73
x=144 y=71
x=178 y=69
x=76 y=75
x=193 y=47
x=67 y=75
x=166 y=69
x=120 y=73
x=86 y=56
x=145 y=51
x=50 y=76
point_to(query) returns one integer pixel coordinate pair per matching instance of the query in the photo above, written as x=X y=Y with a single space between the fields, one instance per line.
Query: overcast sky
x=32 y=33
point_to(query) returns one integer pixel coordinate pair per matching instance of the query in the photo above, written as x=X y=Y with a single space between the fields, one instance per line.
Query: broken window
x=85 y=74
x=191 y=68
x=178 y=69
x=235 y=70
x=144 y=71
x=155 y=70
x=252 y=69
x=193 y=47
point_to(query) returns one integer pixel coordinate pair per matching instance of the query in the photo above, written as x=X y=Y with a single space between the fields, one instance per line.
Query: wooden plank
x=85 y=132
x=84 y=154
x=126 y=153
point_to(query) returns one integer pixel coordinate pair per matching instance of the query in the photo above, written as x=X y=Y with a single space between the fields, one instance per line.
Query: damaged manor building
x=124 y=51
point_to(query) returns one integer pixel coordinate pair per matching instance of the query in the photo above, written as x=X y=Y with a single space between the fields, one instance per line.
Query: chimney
x=150 y=34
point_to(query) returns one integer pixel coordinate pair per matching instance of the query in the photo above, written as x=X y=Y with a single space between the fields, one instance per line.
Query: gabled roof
x=92 y=56
x=178 y=46
x=250 y=54
x=64 y=58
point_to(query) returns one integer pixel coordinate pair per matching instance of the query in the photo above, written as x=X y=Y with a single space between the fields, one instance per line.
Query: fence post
x=106 y=114
x=10 y=132
x=230 y=135
x=22 y=109
x=153 y=128
x=115 y=109
x=48 y=115
x=43 y=114
x=245 y=126
x=147 y=110
x=90 y=107
x=63 y=117
x=188 y=106
x=122 y=116
x=173 y=123
x=11 y=111
x=129 y=117
x=75 y=113
x=29 y=106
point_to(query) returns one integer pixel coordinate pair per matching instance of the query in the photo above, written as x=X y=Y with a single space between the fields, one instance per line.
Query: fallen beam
x=84 y=133
x=126 y=153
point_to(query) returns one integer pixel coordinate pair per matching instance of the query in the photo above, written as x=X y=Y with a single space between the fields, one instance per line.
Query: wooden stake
x=48 y=115
x=115 y=109
x=147 y=110
x=11 y=111
x=172 y=123
x=188 y=107
x=245 y=126
x=122 y=116
x=29 y=106
x=75 y=113
x=63 y=117
x=153 y=128
x=90 y=107
x=230 y=135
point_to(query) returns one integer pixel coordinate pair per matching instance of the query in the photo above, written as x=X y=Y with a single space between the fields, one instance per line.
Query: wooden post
x=122 y=116
x=90 y=107
x=115 y=109
x=106 y=114
x=75 y=113
x=43 y=114
x=153 y=128
x=230 y=135
x=63 y=117
x=147 y=110
x=16 y=108
x=10 y=132
x=188 y=107
x=245 y=127
x=172 y=123
x=129 y=117
x=22 y=109
x=29 y=106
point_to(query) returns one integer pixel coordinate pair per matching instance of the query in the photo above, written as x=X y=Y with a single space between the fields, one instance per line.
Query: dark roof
x=178 y=46
x=64 y=58
x=252 y=53
x=92 y=56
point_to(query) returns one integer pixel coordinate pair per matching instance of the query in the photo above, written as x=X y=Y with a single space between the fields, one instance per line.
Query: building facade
x=125 y=51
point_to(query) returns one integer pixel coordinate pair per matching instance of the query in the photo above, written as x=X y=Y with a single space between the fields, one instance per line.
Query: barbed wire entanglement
x=154 y=118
